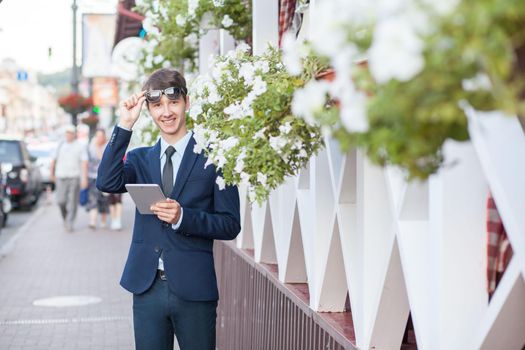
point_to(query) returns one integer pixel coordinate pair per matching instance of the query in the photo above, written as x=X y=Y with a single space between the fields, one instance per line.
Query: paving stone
x=48 y=262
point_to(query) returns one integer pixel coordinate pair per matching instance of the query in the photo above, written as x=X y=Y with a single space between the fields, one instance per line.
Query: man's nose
x=165 y=109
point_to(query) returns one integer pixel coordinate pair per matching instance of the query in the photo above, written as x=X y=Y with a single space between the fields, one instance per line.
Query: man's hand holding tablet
x=150 y=200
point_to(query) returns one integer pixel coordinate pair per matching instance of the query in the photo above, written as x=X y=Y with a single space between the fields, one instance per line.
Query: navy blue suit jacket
x=209 y=213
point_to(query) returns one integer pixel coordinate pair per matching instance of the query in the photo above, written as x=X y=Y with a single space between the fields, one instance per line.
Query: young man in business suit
x=170 y=268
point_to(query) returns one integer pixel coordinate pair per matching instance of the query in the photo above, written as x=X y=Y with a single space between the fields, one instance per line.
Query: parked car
x=24 y=181
x=44 y=153
x=5 y=200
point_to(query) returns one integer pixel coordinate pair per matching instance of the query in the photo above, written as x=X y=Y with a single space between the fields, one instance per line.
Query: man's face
x=169 y=115
x=70 y=136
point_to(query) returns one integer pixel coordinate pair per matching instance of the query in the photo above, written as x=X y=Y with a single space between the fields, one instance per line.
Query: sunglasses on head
x=172 y=93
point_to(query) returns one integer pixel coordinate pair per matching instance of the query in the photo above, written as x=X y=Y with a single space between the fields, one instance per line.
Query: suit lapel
x=186 y=164
x=154 y=163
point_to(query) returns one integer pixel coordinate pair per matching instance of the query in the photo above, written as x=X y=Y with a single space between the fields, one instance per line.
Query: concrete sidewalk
x=44 y=262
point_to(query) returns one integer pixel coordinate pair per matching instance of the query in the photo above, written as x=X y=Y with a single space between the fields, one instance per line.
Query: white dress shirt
x=176 y=159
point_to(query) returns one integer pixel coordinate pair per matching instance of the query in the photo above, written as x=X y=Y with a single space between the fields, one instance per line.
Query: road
x=16 y=219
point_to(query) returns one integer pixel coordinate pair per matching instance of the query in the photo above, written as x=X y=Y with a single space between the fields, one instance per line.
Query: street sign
x=21 y=75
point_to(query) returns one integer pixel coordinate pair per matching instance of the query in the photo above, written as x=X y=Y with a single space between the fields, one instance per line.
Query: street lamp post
x=74 y=78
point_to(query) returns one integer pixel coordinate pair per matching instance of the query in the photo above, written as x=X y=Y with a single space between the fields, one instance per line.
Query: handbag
x=83 y=196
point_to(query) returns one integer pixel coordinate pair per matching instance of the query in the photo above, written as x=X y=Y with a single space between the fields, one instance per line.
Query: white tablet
x=145 y=195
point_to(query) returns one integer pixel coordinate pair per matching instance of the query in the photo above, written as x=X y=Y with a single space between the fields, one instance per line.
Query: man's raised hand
x=130 y=109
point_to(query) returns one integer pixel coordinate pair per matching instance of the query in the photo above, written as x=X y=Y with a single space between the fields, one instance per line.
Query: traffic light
x=95 y=110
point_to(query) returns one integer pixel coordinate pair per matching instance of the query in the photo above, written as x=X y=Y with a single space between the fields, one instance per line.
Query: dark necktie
x=167 y=172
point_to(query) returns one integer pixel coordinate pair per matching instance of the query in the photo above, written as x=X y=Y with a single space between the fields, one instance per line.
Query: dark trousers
x=158 y=314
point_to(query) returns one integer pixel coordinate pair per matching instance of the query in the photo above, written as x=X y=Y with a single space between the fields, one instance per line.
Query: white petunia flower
x=195 y=111
x=262 y=65
x=310 y=100
x=218 y=70
x=298 y=144
x=209 y=161
x=155 y=5
x=229 y=143
x=442 y=7
x=235 y=111
x=220 y=182
x=218 y=3
x=291 y=54
x=247 y=102
x=149 y=62
x=219 y=158
x=247 y=72
x=213 y=136
x=286 y=128
x=192 y=39
x=245 y=178
x=239 y=166
x=149 y=25
x=479 y=82
x=261 y=178
x=303 y=154
x=158 y=59
x=395 y=38
x=180 y=20
x=164 y=13
x=227 y=21
x=353 y=112
x=332 y=20
x=192 y=7
x=260 y=134
x=199 y=134
x=259 y=86
x=214 y=96
x=277 y=143
x=243 y=47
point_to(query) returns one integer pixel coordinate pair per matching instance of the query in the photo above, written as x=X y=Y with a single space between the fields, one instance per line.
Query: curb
x=8 y=247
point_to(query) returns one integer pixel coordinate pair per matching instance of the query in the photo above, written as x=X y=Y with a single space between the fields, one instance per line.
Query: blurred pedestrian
x=98 y=202
x=115 y=210
x=69 y=172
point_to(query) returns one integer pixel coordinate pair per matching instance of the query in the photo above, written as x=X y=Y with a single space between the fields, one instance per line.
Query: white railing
x=344 y=225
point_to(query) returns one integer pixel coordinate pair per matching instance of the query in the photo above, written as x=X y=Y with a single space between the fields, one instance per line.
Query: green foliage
x=410 y=121
x=245 y=124
x=177 y=43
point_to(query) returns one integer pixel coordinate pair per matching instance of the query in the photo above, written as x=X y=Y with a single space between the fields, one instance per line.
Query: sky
x=29 y=27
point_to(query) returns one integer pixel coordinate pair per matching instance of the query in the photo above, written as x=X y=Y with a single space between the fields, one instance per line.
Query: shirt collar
x=180 y=146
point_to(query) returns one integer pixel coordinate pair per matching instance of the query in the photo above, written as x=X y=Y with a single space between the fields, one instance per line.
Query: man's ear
x=187 y=103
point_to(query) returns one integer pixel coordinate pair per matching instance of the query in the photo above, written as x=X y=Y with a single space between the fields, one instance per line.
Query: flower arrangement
x=91 y=120
x=242 y=119
x=174 y=28
x=75 y=103
x=425 y=62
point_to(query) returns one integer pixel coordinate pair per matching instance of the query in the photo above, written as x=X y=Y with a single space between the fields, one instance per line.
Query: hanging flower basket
x=75 y=103
x=425 y=64
x=242 y=119
x=91 y=120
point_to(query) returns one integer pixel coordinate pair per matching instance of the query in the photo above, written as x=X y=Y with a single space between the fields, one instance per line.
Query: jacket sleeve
x=223 y=223
x=113 y=172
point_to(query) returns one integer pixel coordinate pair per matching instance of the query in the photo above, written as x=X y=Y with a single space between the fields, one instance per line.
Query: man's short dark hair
x=164 y=78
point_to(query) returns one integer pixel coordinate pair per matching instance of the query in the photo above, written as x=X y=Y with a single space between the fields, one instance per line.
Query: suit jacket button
x=157 y=249
x=165 y=224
